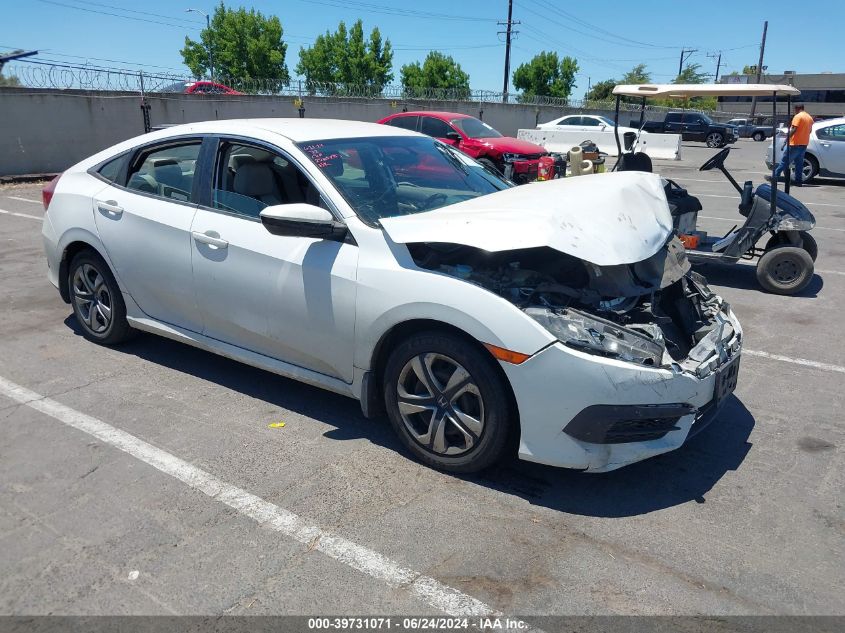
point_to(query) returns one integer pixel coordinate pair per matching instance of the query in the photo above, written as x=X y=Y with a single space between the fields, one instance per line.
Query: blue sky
x=607 y=39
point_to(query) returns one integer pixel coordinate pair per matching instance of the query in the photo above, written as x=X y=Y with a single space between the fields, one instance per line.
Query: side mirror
x=302 y=220
x=453 y=136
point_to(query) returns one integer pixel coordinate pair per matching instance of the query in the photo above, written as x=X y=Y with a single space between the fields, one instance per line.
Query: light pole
x=208 y=27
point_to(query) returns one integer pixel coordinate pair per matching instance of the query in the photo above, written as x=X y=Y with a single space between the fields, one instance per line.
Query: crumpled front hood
x=604 y=219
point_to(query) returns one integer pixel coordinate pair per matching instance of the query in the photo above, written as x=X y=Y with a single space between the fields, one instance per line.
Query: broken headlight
x=592 y=334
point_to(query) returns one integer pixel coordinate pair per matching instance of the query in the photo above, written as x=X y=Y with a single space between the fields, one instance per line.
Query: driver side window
x=248 y=179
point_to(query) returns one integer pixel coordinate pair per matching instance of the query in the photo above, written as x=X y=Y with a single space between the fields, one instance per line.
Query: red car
x=475 y=138
x=201 y=88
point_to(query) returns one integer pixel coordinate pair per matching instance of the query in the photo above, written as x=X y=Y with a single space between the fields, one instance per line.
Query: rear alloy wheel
x=785 y=270
x=96 y=300
x=759 y=136
x=715 y=139
x=446 y=401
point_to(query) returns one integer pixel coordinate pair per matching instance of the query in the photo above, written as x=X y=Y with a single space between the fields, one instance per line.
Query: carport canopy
x=705 y=90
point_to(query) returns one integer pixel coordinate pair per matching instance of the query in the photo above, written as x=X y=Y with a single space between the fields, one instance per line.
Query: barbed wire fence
x=95 y=78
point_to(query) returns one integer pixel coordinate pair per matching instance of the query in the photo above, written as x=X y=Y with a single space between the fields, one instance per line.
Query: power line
x=388 y=10
x=117 y=15
x=585 y=34
x=155 y=15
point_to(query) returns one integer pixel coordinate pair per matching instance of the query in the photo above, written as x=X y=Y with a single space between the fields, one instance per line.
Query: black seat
x=635 y=162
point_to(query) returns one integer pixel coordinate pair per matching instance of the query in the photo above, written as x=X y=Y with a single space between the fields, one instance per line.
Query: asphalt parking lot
x=747 y=518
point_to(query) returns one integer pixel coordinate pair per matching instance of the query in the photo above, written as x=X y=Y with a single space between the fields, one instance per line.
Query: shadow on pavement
x=667 y=480
x=744 y=277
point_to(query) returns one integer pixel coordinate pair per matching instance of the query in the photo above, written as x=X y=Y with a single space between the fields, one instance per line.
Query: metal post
x=210 y=47
x=145 y=107
x=773 y=198
x=616 y=135
x=786 y=149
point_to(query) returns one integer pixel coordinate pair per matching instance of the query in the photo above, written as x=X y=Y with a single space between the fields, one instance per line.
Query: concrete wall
x=46 y=131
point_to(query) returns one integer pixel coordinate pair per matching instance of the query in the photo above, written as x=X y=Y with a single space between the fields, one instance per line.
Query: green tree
x=9 y=81
x=602 y=91
x=546 y=75
x=346 y=61
x=691 y=75
x=245 y=44
x=437 y=71
x=637 y=75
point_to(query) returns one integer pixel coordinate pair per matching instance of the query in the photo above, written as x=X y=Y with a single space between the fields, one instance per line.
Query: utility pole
x=685 y=54
x=210 y=39
x=508 y=34
x=718 y=64
x=759 y=68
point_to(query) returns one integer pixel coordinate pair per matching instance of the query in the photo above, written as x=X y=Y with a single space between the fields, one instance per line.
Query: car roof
x=446 y=116
x=828 y=122
x=297 y=130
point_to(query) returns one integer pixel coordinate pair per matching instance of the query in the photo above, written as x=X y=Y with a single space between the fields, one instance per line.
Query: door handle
x=109 y=208
x=205 y=238
x=825 y=144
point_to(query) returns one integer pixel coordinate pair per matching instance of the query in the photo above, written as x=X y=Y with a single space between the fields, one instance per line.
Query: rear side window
x=166 y=172
x=112 y=169
x=573 y=120
x=405 y=122
x=832 y=133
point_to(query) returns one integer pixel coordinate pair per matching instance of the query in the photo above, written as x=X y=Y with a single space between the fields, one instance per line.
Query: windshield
x=606 y=121
x=474 y=128
x=706 y=119
x=386 y=176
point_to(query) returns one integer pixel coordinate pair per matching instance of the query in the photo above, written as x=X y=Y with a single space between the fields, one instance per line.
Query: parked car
x=825 y=155
x=694 y=126
x=583 y=123
x=474 y=138
x=472 y=311
x=747 y=129
x=200 y=88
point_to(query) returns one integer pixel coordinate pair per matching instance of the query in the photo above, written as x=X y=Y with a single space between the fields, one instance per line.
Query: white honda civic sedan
x=559 y=319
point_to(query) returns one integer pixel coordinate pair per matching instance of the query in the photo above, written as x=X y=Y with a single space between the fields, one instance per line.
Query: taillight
x=47 y=192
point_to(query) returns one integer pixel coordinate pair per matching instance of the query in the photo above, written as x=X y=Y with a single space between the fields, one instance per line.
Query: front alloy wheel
x=448 y=401
x=440 y=404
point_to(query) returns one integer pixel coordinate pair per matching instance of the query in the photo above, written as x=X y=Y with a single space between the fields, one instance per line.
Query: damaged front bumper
x=594 y=413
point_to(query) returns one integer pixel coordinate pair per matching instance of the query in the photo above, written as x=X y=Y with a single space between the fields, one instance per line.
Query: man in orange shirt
x=799 y=138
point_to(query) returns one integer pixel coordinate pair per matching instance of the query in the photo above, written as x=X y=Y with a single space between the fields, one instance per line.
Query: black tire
x=785 y=270
x=715 y=139
x=102 y=318
x=491 y=165
x=810 y=168
x=759 y=136
x=808 y=243
x=485 y=400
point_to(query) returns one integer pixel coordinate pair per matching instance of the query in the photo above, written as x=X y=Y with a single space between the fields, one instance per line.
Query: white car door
x=290 y=298
x=831 y=148
x=145 y=227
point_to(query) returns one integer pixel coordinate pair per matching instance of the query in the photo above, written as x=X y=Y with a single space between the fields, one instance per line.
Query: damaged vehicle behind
x=559 y=319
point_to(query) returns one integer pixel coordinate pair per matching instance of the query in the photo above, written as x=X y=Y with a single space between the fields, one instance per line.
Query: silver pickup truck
x=748 y=130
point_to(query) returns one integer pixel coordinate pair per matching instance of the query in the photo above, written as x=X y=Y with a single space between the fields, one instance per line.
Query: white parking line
x=796 y=361
x=811 y=204
x=21 y=215
x=434 y=593
x=737 y=221
x=24 y=199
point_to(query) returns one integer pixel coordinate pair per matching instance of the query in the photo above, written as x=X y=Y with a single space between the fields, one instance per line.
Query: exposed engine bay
x=655 y=312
